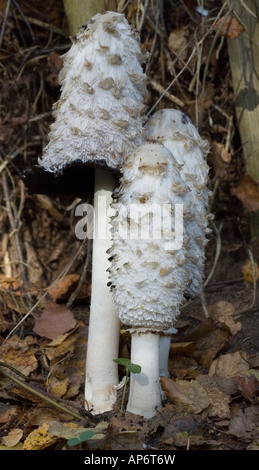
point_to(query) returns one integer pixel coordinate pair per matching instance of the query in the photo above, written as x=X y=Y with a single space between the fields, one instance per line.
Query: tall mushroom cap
x=98 y=116
x=176 y=131
x=148 y=274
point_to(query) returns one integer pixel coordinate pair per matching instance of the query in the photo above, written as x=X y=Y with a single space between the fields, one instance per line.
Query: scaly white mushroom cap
x=176 y=131
x=147 y=273
x=98 y=115
x=98 y=118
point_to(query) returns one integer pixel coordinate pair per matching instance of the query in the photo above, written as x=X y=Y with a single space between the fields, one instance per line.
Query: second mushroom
x=159 y=236
x=148 y=262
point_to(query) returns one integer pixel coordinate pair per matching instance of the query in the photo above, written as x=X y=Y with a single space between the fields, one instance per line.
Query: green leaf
x=123 y=361
x=134 y=368
x=84 y=436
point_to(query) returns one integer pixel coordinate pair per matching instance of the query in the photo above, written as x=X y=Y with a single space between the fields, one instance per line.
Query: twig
x=208 y=61
x=143 y=14
x=63 y=273
x=218 y=250
x=250 y=254
x=160 y=89
x=47 y=204
x=122 y=5
x=32 y=389
x=15 y=226
x=82 y=277
x=24 y=19
x=188 y=60
x=248 y=9
x=43 y=24
x=204 y=304
x=221 y=284
x=4 y=21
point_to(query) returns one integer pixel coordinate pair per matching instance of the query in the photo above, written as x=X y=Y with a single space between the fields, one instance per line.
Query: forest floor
x=211 y=396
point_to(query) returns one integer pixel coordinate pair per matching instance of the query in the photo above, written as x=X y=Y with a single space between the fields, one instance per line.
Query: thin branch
x=188 y=60
x=32 y=389
x=217 y=254
x=15 y=226
x=208 y=62
x=24 y=19
x=62 y=274
x=4 y=21
x=82 y=277
x=250 y=254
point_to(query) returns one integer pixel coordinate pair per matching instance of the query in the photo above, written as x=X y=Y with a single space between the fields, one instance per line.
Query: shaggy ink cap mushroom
x=148 y=277
x=98 y=118
x=176 y=131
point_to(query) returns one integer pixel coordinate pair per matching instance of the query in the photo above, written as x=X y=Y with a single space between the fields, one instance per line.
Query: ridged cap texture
x=147 y=273
x=176 y=131
x=98 y=118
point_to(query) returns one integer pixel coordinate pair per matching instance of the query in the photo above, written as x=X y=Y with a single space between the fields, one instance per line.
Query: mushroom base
x=145 y=390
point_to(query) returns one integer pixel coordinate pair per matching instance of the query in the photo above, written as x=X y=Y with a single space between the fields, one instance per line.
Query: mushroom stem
x=145 y=390
x=164 y=348
x=104 y=325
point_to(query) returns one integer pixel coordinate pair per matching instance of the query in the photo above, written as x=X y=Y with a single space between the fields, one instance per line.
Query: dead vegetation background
x=211 y=397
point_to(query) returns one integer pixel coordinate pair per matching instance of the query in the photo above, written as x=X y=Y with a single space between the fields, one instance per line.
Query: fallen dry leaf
x=54 y=353
x=229 y=27
x=219 y=401
x=186 y=423
x=7 y=413
x=12 y=294
x=13 y=437
x=245 y=424
x=177 y=42
x=182 y=367
x=253 y=446
x=207 y=347
x=54 y=65
x=18 y=446
x=182 y=392
x=186 y=348
x=254 y=361
x=59 y=340
x=3 y=323
x=209 y=341
x=223 y=312
x=249 y=273
x=126 y=440
x=230 y=365
x=248 y=193
x=249 y=387
x=54 y=320
x=221 y=151
x=58 y=387
x=63 y=285
x=18 y=353
x=39 y=439
x=219 y=159
x=69 y=430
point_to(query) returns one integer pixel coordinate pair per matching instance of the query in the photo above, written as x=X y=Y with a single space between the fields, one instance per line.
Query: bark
x=244 y=62
x=78 y=12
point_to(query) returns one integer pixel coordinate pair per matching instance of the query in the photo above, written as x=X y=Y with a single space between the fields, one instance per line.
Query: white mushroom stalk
x=148 y=259
x=98 y=122
x=176 y=131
